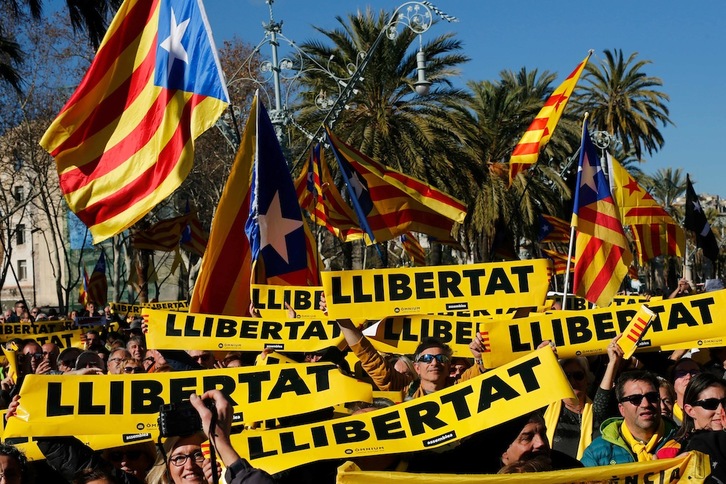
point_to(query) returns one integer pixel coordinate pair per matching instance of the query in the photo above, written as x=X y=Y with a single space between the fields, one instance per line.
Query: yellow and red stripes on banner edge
x=526 y=152
x=121 y=143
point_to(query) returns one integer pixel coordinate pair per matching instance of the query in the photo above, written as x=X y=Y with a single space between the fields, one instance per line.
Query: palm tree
x=88 y=16
x=666 y=185
x=624 y=101
x=386 y=120
x=489 y=125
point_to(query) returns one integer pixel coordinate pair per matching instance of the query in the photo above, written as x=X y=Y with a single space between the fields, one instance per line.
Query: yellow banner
x=273 y=358
x=270 y=301
x=691 y=467
x=431 y=421
x=138 y=309
x=61 y=405
x=378 y=293
x=402 y=335
x=172 y=330
x=9 y=331
x=584 y=333
x=628 y=300
x=64 y=339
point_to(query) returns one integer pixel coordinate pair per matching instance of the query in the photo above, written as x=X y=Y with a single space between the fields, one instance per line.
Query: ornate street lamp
x=284 y=72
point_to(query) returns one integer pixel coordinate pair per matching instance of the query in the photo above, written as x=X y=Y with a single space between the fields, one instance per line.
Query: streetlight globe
x=422 y=87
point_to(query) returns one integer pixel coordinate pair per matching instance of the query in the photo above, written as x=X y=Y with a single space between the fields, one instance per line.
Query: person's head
x=233 y=359
x=50 y=353
x=539 y=463
x=7 y=314
x=116 y=360
x=20 y=308
x=703 y=403
x=33 y=354
x=67 y=359
x=204 y=358
x=681 y=374
x=136 y=347
x=107 y=312
x=135 y=459
x=152 y=361
x=457 y=368
x=93 y=340
x=91 y=308
x=34 y=312
x=184 y=461
x=131 y=365
x=667 y=397
x=531 y=442
x=639 y=402
x=93 y=476
x=90 y=359
x=13 y=465
x=578 y=374
x=432 y=361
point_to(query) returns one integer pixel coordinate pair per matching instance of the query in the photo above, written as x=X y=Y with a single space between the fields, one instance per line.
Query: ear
x=689 y=410
x=620 y=408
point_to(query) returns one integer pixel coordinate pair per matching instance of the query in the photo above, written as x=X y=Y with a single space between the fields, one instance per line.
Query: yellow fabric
x=552 y=416
x=678 y=413
x=644 y=452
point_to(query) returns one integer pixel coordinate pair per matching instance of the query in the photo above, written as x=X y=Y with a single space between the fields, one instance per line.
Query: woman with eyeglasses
x=681 y=374
x=704 y=422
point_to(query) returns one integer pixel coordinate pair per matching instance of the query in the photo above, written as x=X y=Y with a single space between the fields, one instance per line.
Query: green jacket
x=611 y=448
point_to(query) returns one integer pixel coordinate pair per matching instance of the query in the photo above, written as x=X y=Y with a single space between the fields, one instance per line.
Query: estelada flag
x=318 y=195
x=602 y=256
x=654 y=230
x=538 y=134
x=553 y=229
x=256 y=219
x=125 y=139
x=97 y=283
x=393 y=203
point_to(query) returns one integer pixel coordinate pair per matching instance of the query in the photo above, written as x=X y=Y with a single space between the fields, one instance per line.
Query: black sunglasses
x=575 y=375
x=681 y=373
x=652 y=397
x=119 y=456
x=133 y=369
x=710 y=403
x=427 y=358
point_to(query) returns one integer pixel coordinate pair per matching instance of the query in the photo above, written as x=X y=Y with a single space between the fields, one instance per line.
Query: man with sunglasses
x=637 y=436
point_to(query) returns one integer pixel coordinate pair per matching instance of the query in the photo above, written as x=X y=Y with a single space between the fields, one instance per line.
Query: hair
x=89 y=474
x=634 y=375
x=158 y=473
x=15 y=453
x=663 y=383
x=432 y=343
x=539 y=463
x=698 y=384
x=69 y=356
x=136 y=339
x=377 y=404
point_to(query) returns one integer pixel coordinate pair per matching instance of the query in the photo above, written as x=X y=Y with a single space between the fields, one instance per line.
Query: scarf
x=552 y=416
x=677 y=414
x=644 y=452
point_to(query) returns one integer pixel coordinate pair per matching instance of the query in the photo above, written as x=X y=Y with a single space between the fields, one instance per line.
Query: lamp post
x=415 y=15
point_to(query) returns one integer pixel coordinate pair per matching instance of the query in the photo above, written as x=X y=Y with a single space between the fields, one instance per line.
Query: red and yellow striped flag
x=413 y=248
x=654 y=230
x=400 y=203
x=559 y=261
x=163 y=235
x=526 y=152
x=125 y=139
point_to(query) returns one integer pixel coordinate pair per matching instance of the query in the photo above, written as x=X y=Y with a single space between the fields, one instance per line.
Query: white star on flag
x=357 y=184
x=696 y=206
x=589 y=172
x=173 y=43
x=274 y=228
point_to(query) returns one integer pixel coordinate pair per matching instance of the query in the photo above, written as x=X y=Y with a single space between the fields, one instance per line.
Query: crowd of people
x=654 y=405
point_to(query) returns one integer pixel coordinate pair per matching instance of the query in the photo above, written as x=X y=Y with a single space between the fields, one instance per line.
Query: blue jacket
x=611 y=448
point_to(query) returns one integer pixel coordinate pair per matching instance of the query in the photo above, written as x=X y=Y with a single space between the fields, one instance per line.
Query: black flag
x=696 y=222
